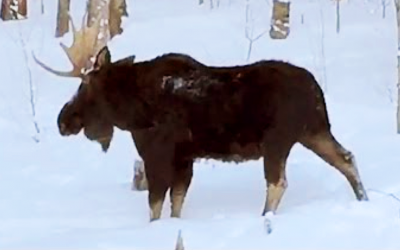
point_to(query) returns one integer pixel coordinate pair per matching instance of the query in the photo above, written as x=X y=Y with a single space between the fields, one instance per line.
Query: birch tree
x=62 y=17
x=279 y=27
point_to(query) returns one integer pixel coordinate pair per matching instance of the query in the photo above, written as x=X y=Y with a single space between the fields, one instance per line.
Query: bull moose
x=178 y=109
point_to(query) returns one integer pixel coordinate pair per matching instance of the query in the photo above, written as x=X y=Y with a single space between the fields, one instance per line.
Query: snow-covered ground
x=64 y=193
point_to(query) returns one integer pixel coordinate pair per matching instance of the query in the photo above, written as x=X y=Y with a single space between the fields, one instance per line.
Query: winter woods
x=109 y=11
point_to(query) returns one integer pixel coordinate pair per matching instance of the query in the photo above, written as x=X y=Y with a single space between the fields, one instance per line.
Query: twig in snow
x=179 y=242
x=386 y=194
x=391 y=195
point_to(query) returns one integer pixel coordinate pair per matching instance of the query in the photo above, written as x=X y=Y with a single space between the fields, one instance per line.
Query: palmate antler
x=81 y=51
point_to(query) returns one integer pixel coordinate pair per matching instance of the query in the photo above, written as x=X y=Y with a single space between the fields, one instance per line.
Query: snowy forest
x=63 y=184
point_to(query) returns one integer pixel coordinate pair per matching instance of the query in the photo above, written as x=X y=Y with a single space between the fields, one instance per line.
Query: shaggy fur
x=178 y=109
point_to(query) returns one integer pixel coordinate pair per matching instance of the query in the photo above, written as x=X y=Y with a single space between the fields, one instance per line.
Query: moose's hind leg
x=275 y=157
x=330 y=150
x=275 y=176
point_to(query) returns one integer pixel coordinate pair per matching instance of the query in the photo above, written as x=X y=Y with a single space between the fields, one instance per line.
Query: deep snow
x=65 y=193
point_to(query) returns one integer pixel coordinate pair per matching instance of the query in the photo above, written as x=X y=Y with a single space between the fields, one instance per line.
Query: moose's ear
x=126 y=61
x=103 y=58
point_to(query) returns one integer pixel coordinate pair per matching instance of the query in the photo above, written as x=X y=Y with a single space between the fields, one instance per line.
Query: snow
x=64 y=193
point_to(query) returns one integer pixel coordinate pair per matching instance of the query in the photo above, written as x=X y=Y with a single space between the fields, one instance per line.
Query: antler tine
x=83 y=48
x=84 y=20
x=75 y=36
x=76 y=71
x=72 y=73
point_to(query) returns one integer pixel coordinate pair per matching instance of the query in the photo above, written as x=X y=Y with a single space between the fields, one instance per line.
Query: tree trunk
x=5 y=10
x=337 y=16
x=95 y=8
x=41 y=7
x=22 y=8
x=99 y=9
x=13 y=10
x=397 y=5
x=139 y=181
x=117 y=9
x=62 y=17
x=280 y=19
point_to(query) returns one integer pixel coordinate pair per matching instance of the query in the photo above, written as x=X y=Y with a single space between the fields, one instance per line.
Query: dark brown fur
x=179 y=109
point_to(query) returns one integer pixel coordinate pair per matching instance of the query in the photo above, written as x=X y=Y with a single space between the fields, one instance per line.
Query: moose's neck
x=123 y=100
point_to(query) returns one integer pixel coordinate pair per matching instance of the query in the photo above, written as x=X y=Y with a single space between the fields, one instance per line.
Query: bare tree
x=32 y=91
x=280 y=19
x=249 y=30
x=6 y=10
x=94 y=9
x=41 y=7
x=337 y=16
x=397 y=5
x=98 y=11
x=62 y=17
x=22 y=8
x=117 y=9
x=384 y=4
x=23 y=43
x=13 y=9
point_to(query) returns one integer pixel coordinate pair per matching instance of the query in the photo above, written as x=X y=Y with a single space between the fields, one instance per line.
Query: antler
x=82 y=49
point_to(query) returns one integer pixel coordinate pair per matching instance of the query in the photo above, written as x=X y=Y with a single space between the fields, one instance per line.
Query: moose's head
x=86 y=111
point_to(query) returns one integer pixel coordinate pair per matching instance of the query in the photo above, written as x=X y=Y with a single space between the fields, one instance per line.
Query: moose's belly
x=237 y=147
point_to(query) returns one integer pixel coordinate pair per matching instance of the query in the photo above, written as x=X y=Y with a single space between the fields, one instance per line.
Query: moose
x=178 y=109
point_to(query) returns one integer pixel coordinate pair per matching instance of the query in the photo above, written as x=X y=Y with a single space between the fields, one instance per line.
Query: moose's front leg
x=157 y=147
x=157 y=191
x=159 y=174
x=183 y=173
